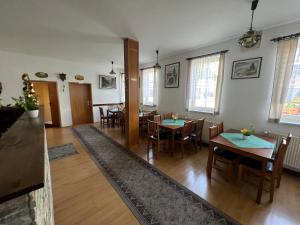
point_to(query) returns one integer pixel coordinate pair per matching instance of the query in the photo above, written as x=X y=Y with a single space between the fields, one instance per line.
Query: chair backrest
x=152 y=128
x=101 y=112
x=220 y=127
x=151 y=115
x=199 y=126
x=157 y=119
x=213 y=132
x=168 y=116
x=187 y=129
x=279 y=157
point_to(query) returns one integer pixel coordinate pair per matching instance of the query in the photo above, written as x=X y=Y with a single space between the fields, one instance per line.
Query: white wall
x=243 y=102
x=13 y=65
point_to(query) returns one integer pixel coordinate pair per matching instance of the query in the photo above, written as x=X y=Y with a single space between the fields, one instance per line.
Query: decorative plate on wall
x=79 y=77
x=41 y=74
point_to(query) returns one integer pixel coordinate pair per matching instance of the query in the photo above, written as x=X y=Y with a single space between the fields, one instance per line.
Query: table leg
x=113 y=120
x=173 y=142
x=261 y=181
x=209 y=160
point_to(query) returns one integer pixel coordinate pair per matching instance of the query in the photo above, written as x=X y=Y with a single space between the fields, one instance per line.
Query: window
x=149 y=86
x=291 y=108
x=205 y=82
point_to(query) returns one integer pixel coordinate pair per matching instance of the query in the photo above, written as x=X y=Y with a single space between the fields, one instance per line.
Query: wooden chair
x=151 y=115
x=167 y=116
x=221 y=155
x=184 y=136
x=197 y=132
x=104 y=120
x=155 y=139
x=157 y=119
x=273 y=168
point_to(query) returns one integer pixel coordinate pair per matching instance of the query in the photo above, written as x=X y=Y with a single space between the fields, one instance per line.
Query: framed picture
x=107 y=82
x=172 y=72
x=247 y=68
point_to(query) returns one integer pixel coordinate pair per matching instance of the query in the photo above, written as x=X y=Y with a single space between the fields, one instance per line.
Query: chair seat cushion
x=225 y=154
x=161 y=137
x=255 y=164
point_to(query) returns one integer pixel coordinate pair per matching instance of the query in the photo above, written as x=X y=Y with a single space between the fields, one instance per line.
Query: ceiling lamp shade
x=252 y=37
x=112 y=72
x=157 y=66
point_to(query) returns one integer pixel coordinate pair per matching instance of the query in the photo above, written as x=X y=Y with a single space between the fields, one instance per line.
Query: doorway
x=48 y=99
x=81 y=103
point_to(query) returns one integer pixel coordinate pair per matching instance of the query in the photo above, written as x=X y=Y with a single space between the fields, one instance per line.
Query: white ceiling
x=92 y=30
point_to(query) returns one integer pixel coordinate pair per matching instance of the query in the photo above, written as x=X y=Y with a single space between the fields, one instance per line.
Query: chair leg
x=240 y=174
x=157 y=150
x=272 y=188
x=229 y=170
x=148 y=146
x=278 y=179
x=182 y=150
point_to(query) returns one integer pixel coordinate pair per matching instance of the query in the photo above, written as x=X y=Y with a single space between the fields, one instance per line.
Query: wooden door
x=81 y=103
x=41 y=89
x=54 y=104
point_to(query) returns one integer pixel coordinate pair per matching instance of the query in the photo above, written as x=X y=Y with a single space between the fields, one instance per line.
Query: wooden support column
x=131 y=62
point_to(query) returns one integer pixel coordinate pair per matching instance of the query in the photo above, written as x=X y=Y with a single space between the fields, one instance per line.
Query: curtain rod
x=286 y=37
x=150 y=67
x=210 y=54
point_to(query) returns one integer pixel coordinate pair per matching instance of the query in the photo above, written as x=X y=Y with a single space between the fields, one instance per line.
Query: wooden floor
x=82 y=195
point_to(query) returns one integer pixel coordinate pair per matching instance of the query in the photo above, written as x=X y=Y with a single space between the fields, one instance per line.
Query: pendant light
x=252 y=37
x=112 y=72
x=157 y=66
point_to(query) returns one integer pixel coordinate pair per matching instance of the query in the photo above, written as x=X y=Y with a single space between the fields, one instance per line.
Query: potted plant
x=246 y=133
x=29 y=102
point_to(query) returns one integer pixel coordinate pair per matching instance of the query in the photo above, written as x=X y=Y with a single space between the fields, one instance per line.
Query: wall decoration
x=107 y=82
x=79 y=77
x=41 y=75
x=247 y=68
x=172 y=72
x=0 y=88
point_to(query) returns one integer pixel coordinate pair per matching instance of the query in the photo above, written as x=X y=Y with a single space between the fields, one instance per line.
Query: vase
x=33 y=113
x=245 y=137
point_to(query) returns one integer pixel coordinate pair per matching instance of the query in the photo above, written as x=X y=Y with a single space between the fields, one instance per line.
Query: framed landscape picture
x=107 y=82
x=172 y=72
x=247 y=68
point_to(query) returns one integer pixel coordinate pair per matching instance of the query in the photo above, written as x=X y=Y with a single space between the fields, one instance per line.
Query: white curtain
x=122 y=87
x=205 y=83
x=149 y=86
x=286 y=52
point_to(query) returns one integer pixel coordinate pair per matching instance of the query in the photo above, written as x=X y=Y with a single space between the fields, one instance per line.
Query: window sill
x=208 y=113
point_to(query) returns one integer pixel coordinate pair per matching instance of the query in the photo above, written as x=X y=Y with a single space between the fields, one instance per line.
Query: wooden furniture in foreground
x=81 y=103
x=262 y=155
x=8 y=115
x=273 y=168
x=197 y=133
x=25 y=182
x=131 y=61
x=185 y=136
x=222 y=155
x=154 y=138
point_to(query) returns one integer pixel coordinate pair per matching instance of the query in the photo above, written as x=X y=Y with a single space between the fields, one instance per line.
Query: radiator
x=292 y=157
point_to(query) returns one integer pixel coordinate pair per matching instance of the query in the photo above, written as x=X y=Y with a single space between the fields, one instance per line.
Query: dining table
x=260 y=147
x=172 y=126
x=114 y=113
